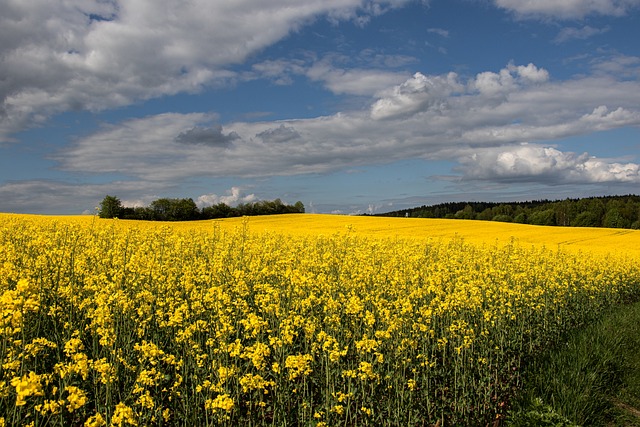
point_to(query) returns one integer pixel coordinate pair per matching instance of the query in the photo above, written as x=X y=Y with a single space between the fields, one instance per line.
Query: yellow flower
x=298 y=365
x=145 y=400
x=27 y=385
x=95 y=421
x=365 y=372
x=76 y=399
x=123 y=415
x=254 y=382
x=72 y=346
x=105 y=369
x=222 y=401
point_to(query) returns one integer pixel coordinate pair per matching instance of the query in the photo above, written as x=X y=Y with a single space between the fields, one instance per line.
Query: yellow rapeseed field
x=289 y=320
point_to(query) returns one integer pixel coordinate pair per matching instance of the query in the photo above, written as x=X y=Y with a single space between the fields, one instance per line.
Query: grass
x=593 y=379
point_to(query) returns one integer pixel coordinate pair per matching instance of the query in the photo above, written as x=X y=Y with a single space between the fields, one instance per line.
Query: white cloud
x=416 y=94
x=353 y=81
x=567 y=9
x=530 y=73
x=232 y=197
x=82 y=54
x=571 y=33
x=536 y=163
x=509 y=79
x=618 y=64
x=369 y=74
x=601 y=118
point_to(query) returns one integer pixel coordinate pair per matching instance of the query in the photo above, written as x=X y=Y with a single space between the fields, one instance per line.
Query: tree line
x=166 y=209
x=606 y=211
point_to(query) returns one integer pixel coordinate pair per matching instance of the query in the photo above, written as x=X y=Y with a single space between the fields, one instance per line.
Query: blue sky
x=350 y=106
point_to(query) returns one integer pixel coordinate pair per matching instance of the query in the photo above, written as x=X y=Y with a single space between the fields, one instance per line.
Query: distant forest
x=186 y=209
x=607 y=211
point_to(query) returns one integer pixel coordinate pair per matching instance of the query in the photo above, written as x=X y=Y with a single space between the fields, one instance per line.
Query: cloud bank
x=547 y=165
x=96 y=55
x=432 y=117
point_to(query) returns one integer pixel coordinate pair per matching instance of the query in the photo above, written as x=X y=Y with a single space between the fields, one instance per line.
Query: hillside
x=606 y=211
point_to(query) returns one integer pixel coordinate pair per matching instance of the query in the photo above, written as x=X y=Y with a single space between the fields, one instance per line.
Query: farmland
x=291 y=319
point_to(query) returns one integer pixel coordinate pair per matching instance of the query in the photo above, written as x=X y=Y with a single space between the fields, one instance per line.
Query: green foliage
x=586 y=219
x=591 y=379
x=502 y=218
x=175 y=209
x=110 y=207
x=539 y=415
x=185 y=209
x=545 y=217
x=609 y=211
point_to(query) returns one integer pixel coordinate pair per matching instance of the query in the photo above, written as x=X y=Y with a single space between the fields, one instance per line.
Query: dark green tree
x=174 y=209
x=110 y=207
x=299 y=207
x=185 y=210
x=220 y=210
x=466 y=213
x=614 y=219
x=545 y=217
x=586 y=219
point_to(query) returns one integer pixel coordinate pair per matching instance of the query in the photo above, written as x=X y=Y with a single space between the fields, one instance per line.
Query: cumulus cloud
x=601 y=118
x=232 y=197
x=422 y=93
x=416 y=94
x=79 y=54
x=536 y=163
x=508 y=79
x=567 y=9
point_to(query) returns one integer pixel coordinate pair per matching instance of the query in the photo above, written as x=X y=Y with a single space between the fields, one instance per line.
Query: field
x=289 y=320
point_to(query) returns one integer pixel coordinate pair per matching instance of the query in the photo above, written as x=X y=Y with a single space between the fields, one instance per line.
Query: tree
x=185 y=210
x=161 y=209
x=485 y=215
x=110 y=207
x=466 y=213
x=299 y=207
x=545 y=217
x=174 y=209
x=221 y=210
x=614 y=219
x=586 y=219
x=521 y=218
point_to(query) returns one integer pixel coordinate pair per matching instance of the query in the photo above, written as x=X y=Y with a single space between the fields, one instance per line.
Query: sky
x=349 y=106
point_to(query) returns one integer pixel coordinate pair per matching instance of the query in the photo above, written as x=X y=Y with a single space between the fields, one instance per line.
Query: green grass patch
x=592 y=379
